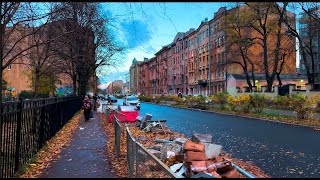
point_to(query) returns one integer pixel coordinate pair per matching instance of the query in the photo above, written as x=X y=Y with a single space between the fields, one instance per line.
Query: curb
x=249 y=117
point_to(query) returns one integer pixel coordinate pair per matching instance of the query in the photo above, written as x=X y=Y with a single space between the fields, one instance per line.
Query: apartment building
x=195 y=63
x=134 y=76
x=143 y=74
x=310 y=27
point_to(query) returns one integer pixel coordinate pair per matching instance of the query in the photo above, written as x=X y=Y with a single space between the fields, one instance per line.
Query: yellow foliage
x=314 y=99
x=244 y=98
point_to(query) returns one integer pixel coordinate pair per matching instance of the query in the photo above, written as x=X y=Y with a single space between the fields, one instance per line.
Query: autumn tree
x=239 y=42
x=268 y=27
x=116 y=89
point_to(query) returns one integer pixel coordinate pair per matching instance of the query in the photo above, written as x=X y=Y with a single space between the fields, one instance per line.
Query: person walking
x=95 y=98
x=109 y=99
x=86 y=106
x=91 y=100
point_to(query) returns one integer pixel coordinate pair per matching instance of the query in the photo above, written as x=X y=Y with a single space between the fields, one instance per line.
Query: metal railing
x=140 y=162
x=26 y=125
x=131 y=149
x=149 y=166
x=117 y=135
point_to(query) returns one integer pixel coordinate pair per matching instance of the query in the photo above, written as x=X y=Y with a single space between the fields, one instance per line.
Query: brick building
x=134 y=76
x=196 y=61
x=19 y=73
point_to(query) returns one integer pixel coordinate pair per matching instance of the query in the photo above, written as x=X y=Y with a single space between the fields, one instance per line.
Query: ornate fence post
x=18 y=134
x=42 y=122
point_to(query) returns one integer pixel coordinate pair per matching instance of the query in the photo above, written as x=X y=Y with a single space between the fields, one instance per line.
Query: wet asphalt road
x=280 y=150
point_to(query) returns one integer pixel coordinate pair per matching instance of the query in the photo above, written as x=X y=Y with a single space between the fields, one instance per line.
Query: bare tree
x=95 y=46
x=267 y=22
x=239 y=42
x=308 y=20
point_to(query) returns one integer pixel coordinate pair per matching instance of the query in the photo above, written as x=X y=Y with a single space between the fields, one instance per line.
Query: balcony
x=202 y=83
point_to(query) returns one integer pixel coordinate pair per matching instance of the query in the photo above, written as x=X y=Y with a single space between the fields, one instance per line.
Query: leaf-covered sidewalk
x=85 y=156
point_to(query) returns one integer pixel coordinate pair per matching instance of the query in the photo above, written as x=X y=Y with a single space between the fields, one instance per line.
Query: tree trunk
x=1 y=70
x=36 y=83
x=83 y=84
x=305 y=61
x=266 y=65
x=277 y=51
x=245 y=68
x=279 y=79
x=74 y=84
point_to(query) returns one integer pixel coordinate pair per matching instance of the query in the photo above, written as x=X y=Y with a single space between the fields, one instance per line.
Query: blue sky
x=146 y=27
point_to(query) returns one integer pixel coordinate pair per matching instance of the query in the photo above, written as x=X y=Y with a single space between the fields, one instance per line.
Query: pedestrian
x=95 y=98
x=180 y=94
x=109 y=99
x=86 y=106
x=124 y=99
x=91 y=100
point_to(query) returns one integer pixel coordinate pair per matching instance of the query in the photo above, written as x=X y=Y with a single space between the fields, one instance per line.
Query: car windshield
x=132 y=99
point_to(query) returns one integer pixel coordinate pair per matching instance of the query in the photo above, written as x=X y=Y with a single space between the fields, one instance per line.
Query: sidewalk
x=85 y=157
x=287 y=113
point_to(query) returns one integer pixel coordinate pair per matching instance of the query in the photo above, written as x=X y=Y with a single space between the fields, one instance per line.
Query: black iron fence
x=26 y=125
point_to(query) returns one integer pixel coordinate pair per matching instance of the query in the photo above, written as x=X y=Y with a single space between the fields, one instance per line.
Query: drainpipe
x=209 y=59
x=182 y=58
x=247 y=174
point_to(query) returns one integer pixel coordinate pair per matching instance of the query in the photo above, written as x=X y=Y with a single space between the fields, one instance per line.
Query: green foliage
x=4 y=84
x=257 y=101
x=145 y=98
x=222 y=99
x=301 y=106
x=26 y=94
x=46 y=84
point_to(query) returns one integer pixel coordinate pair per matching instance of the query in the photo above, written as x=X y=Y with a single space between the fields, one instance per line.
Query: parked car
x=113 y=99
x=101 y=96
x=132 y=101
x=126 y=113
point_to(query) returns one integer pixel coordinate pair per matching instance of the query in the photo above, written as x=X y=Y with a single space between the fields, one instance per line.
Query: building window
x=9 y=67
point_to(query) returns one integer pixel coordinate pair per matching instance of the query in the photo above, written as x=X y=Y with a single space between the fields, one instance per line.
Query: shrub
x=233 y=102
x=315 y=102
x=244 y=103
x=304 y=110
x=222 y=99
x=145 y=98
x=26 y=94
x=257 y=101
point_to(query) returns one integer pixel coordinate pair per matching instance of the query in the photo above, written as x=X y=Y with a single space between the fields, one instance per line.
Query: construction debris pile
x=197 y=157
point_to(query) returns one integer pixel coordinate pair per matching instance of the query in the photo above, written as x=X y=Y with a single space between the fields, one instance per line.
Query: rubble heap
x=193 y=158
